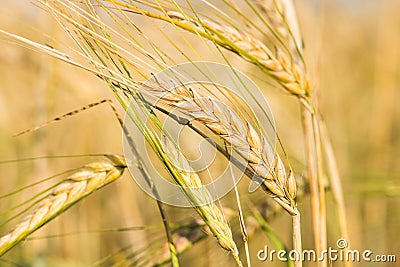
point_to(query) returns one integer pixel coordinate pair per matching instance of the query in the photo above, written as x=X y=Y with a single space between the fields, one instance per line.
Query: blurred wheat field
x=352 y=50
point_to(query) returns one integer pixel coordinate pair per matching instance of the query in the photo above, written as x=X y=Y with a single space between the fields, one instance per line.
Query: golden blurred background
x=353 y=53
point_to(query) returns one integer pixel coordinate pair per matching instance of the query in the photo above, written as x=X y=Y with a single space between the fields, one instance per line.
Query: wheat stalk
x=237 y=132
x=79 y=185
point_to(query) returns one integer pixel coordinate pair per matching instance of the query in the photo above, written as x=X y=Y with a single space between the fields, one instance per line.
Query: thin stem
x=312 y=174
x=317 y=186
x=297 y=246
x=321 y=184
x=243 y=227
x=171 y=245
x=335 y=183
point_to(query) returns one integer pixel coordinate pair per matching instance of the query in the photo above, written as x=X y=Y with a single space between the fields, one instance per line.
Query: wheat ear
x=240 y=134
x=278 y=64
x=79 y=185
x=198 y=195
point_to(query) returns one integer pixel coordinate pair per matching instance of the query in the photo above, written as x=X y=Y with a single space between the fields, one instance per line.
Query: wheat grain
x=79 y=185
x=274 y=13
